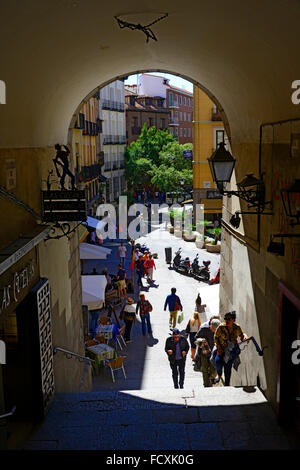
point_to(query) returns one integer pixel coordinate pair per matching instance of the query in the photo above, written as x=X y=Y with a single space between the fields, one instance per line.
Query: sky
x=174 y=80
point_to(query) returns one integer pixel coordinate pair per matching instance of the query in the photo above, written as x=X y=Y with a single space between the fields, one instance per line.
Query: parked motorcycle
x=216 y=280
x=180 y=265
x=200 y=272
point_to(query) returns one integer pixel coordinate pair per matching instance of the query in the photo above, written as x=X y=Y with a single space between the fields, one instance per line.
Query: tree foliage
x=156 y=160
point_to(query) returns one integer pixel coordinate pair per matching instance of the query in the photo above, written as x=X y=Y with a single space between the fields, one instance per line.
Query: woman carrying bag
x=128 y=315
x=192 y=327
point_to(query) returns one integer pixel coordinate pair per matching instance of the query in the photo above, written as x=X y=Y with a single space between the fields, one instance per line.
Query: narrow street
x=144 y=411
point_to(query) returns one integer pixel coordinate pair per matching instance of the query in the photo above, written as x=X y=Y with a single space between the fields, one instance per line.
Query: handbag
x=188 y=328
x=177 y=305
x=150 y=308
x=180 y=317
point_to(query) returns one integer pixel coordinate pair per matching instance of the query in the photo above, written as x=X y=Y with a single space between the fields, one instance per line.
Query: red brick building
x=141 y=109
x=180 y=104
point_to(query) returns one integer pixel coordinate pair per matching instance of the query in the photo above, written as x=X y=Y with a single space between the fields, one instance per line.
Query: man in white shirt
x=122 y=253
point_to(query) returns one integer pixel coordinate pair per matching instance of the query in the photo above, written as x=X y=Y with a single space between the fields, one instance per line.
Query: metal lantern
x=221 y=165
x=252 y=189
x=291 y=201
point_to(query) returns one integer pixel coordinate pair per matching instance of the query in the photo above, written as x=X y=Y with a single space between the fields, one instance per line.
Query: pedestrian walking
x=198 y=305
x=144 y=307
x=177 y=348
x=227 y=346
x=122 y=254
x=149 y=264
x=192 y=328
x=174 y=303
x=204 y=340
x=128 y=314
x=139 y=266
x=136 y=254
x=121 y=278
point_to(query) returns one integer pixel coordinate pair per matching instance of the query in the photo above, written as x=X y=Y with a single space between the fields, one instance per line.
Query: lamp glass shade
x=291 y=199
x=221 y=164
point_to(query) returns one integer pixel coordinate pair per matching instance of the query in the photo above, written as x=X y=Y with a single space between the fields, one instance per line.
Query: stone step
x=188 y=419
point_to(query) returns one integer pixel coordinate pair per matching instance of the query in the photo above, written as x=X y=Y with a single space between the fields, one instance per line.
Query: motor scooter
x=180 y=265
x=200 y=272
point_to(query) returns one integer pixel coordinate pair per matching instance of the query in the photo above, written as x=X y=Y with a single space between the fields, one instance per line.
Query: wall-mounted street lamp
x=250 y=189
x=291 y=201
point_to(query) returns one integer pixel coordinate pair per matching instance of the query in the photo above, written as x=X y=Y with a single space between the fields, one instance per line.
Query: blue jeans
x=146 y=320
x=219 y=362
x=122 y=261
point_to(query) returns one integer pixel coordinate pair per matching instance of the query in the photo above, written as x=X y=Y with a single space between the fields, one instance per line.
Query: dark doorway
x=289 y=367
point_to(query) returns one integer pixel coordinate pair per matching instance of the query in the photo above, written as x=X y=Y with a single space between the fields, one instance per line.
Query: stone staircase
x=218 y=418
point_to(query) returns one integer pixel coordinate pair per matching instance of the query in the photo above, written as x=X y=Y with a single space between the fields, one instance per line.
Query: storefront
x=26 y=374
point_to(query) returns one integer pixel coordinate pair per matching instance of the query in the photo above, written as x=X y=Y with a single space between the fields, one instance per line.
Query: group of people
x=144 y=265
x=216 y=344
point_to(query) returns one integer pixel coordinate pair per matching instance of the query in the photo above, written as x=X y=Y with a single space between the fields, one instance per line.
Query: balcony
x=107 y=139
x=174 y=104
x=215 y=114
x=113 y=106
x=90 y=172
x=173 y=122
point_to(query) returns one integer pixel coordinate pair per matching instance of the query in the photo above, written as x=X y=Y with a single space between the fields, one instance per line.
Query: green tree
x=172 y=155
x=156 y=159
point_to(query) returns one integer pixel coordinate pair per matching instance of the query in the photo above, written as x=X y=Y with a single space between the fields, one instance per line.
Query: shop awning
x=95 y=223
x=93 y=291
x=88 y=251
x=82 y=233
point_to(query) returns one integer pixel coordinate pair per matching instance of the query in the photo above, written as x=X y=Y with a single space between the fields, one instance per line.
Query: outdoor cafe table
x=105 y=330
x=101 y=352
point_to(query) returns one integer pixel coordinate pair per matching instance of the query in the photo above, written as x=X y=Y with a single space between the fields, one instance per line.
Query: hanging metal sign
x=64 y=206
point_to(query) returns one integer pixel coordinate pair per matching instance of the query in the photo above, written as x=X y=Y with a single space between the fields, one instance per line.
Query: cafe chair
x=104 y=320
x=101 y=339
x=91 y=342
x=120 y=337
x=116 y=364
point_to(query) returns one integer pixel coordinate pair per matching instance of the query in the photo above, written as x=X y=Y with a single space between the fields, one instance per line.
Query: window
x=180 y=132
x=180 y=116
x=184 y=101
x=176 y=131
x=184 y=132
x=189 y=132
x=151 y=122
x=184 y=116
x=132 y=100
x=171 y=131
x=180 y=99
x=148 y=101
x=189 y=116
x=170 y=99
x=163 y=123
x=220 y=137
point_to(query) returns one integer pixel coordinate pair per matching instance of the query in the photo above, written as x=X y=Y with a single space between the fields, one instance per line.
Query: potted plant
x=188 y=234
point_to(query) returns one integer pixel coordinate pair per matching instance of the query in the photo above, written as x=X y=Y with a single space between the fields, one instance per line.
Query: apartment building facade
x=180 y=104
x=113 y=138
x=209 y=132
x=141 y=109
x=87 y=157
